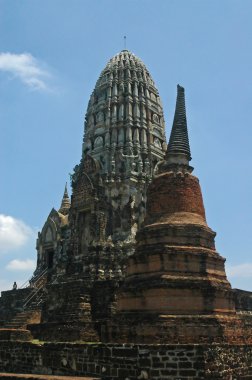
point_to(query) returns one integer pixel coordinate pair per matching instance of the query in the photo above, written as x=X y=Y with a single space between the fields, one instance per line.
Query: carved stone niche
x=90 y=165
x=83 y=190
x=83 y=193
x=155 y=118
x=85 y=232
x=98 y=142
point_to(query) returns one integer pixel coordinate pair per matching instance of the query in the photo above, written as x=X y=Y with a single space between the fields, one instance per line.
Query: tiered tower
x=176 y=290
x=123 y=142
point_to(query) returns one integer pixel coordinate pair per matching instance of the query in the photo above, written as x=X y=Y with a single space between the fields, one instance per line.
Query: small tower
x=53 y=238
x=65 y=203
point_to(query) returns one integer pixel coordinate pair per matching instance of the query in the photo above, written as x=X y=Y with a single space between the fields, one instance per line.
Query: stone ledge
x=22 y=335
x=14 y=376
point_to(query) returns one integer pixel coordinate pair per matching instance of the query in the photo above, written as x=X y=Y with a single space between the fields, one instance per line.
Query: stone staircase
x=23 y=318
x=30 y=313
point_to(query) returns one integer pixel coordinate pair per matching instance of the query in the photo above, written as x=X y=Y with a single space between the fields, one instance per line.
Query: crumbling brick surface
x=168 y=194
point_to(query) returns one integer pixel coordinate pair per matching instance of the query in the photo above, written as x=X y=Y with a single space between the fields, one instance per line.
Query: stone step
x=74 y=315
x=15 y=376
x=24 y=314
x=71 y=320
x=15 y=321
x=22 y=317
x=12 y=334
x=15 y=327
x=74 y=310
x=79 y=312
x=20 y=320
x=15 y=324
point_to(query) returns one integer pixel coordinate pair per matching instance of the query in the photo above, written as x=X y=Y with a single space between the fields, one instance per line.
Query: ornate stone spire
x=65 y=203
x=124 y=140
x=123 y=110
x=178 y=150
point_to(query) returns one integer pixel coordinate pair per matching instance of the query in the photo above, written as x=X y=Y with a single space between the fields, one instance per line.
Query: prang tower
x=124 y=140
x=86 y=243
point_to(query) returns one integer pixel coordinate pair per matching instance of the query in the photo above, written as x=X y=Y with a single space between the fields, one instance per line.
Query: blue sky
x=51 y=54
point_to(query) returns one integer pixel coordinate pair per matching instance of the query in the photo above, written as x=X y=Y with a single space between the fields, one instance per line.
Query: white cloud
x=21 y=265
x=240 y=270
x=13 y=233
x=25 y=67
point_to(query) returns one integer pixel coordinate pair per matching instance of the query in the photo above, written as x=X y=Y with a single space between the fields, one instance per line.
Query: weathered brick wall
x=161 y=362
x=243 y=300
x=169 y=194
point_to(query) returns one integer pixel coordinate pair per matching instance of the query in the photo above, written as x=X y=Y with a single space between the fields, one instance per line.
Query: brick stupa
x=176 y=289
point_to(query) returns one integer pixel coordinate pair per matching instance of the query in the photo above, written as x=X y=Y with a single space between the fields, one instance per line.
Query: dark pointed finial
x=65 y=203
x=178 y=150
x=124 y=38
x=65 y=191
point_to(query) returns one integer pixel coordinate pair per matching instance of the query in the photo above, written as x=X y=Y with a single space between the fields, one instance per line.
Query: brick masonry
x=127 y=361
x=13 y=376
x=180 y=194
